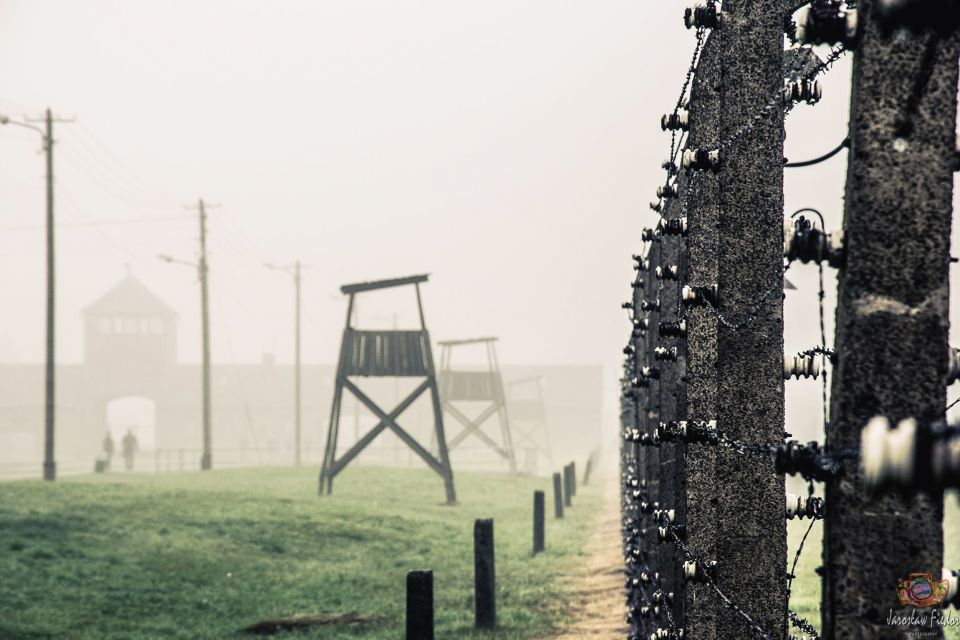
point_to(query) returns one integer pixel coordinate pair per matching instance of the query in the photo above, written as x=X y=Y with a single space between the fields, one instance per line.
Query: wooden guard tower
x=476 y=386
x=530 y=417
x=388 y=353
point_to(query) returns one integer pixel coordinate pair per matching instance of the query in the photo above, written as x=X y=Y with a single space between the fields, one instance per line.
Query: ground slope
x=201 y=555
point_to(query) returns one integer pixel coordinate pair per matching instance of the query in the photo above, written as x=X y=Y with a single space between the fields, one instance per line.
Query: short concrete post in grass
x=573 y=479
x=557 y=496
x=588 y=469
x=420 y=605
x=567 y=488
x=484 y=576
x=538 y=509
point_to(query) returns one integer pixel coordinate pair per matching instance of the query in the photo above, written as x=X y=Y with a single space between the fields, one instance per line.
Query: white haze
x=507 y=148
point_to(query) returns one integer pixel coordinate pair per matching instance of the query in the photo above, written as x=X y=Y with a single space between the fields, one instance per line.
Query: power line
x=105 y=222
x=819 y=159
x=109 y=179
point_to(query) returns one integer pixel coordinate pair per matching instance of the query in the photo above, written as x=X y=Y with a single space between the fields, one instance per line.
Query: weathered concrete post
x=557 y=496
x=649 y=420
x=892 y=315
x=538 y=533
x=567 y=488
x=420 y=605
x=484 y=576
x=664 y=373
x=751 y=544
x=700 y=348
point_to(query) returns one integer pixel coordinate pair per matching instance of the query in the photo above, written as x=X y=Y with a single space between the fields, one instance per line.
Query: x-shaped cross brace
x=387 y=420
x=473 y=426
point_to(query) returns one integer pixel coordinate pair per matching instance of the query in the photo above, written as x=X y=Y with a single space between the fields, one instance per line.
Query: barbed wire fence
x=687 y=308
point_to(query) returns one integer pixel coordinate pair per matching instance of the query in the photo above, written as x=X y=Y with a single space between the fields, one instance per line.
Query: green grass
x=201 y=555
x=806 y=589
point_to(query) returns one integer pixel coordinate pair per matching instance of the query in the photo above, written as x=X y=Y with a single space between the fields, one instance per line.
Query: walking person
x=108 y=449
x=130 y=448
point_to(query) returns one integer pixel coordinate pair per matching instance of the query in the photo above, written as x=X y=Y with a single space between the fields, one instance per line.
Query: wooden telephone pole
x=202 y=267
x=206 y=461
x=50 y=405
x=296 y=374
x=294 y=270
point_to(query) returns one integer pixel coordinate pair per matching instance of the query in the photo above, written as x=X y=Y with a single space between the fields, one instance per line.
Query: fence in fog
x=705 y=452
x=530 y=461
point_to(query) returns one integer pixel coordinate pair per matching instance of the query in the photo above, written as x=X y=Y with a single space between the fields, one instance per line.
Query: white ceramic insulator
x=887 y=455
x=803 y=16
x=788 y=226
x=888 y=7
x=851 y=19
x=953 y=366
x=834 y=245
x=795 y=505
x=800 y=367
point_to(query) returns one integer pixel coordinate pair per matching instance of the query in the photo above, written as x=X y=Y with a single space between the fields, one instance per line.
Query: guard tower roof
x=454 y=343
x=382 y=284
x=129 y=297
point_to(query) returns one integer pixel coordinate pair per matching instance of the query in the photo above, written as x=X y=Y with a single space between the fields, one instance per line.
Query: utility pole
x=206 y=462
x=202 y=267
x=751 y=545
x=296 y=383
x=892 y=315
x=49 y=462
x=294 y=270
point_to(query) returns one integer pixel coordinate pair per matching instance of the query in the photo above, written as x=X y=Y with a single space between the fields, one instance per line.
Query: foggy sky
x=508 y=148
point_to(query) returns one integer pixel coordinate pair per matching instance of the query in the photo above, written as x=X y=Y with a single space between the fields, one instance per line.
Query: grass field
x=202 y=555
x=806 y=590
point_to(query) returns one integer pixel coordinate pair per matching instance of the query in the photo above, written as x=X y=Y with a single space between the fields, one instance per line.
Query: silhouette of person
x=130 y=448
x=108 y=448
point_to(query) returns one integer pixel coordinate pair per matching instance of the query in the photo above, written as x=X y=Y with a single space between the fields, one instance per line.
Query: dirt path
x=598 y=607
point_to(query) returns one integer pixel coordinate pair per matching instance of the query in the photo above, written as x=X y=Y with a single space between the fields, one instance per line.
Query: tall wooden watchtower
x=525 y=397
x=385 y=353
x=484 y=386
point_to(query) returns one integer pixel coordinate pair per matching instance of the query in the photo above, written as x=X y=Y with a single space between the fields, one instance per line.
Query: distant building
x=130 y=379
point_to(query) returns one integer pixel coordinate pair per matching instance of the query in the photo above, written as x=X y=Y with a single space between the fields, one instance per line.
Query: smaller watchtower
x=486 y=386
x=385 y=353
x=530 y=418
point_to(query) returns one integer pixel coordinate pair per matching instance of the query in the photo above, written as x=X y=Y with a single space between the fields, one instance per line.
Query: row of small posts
x=420 y=583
